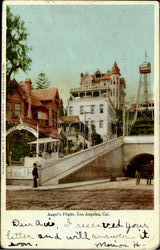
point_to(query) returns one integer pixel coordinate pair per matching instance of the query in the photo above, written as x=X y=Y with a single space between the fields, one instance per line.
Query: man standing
x=138 y=177
x=35 y=175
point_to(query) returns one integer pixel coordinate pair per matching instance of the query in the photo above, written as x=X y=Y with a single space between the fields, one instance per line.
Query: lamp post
x=85 y=112
x=124 y=114
x=84 y=128
x=37 y=145
x=89 y=132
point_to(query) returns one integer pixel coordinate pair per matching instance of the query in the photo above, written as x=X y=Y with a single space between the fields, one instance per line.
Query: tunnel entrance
x=144 y=163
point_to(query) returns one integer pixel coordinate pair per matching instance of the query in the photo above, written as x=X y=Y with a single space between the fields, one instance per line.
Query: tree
x=95 y=137
x=42 y=81
x=61 y=110
x=16 y=47
x=119 y=116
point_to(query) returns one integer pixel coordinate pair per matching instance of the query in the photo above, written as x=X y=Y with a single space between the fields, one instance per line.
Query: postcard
x=80 y=125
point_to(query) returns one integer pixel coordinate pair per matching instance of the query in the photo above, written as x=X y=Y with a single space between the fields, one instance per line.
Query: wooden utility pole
x=124 y=120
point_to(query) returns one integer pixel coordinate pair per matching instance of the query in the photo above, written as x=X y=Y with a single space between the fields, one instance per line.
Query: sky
x=68 y=39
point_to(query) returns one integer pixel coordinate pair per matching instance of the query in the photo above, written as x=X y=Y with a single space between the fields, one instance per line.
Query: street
x=116 y=195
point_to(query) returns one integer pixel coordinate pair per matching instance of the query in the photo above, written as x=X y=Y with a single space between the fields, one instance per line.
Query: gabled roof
x=39 y=95
x=122 y=81
x=115 y=69
x=69 y=119
x=19 y=89
x=44 y=94
x=106 y=76
x=103 y=77
x=35 y=101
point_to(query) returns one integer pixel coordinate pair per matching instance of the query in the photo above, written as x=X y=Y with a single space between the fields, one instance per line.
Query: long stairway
x=55 y=171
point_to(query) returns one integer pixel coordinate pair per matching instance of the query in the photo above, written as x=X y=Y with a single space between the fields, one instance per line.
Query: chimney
x=82 y=75
x=28 y=84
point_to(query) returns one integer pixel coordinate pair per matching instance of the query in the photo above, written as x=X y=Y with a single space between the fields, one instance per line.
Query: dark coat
x=35 y=172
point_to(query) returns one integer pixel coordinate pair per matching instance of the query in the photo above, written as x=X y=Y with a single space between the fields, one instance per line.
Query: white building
x=95 y=111
x=97 y=98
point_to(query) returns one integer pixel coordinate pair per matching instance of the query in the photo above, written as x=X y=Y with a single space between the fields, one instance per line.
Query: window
x=9 y=108
x=101 y=108
x=117 y=92
x=105 y=84
x=101 y=123
x=92 y=123
x=17 y=109
x=70 y=110
x=86 y=84
x=98 y=75
x=113 y=92
x=92 y=109
x=97 y=85
x=81 y=109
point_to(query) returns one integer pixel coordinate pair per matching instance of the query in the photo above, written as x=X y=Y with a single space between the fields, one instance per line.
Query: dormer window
x=98 y=75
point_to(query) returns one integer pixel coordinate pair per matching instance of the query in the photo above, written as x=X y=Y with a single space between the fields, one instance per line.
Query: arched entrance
x=143 y=163
x=17 y=143
x=22 y=127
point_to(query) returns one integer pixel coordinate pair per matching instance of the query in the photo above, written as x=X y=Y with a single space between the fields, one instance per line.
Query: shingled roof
x=44 y=94
x=39 y=95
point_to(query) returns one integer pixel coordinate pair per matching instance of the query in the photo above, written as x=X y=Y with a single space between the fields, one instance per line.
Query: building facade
x=109 y=84
x=34 y=107
x=97 y=97
x=95 y=111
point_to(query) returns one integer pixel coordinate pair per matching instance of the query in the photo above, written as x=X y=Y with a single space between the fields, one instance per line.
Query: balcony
x=96 y=88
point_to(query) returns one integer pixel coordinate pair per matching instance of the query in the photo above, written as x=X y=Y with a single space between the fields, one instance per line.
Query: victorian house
x=109 y=84
x=96 y=100
x=34 y=107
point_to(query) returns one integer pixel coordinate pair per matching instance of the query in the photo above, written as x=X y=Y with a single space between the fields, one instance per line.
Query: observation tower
x=144 y=89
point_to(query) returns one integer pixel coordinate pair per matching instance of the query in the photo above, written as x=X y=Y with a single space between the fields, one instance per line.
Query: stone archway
x=142 y=163
x=15 y=129
x=22 y=127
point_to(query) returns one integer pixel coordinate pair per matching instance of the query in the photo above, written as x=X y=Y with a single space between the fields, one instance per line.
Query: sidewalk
x=126 y=183
x=123 y=182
